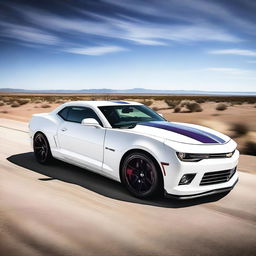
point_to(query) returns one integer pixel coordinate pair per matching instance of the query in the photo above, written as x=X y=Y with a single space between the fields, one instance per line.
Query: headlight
x=190 y=157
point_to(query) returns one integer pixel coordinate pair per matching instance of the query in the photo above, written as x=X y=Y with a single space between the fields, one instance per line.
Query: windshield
x=128 y=116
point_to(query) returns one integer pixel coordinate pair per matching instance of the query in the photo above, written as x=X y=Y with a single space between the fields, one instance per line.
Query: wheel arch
x=139 y=150
x=39 y=131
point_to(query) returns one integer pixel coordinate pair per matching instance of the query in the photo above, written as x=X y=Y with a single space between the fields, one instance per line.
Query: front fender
x=119 y=142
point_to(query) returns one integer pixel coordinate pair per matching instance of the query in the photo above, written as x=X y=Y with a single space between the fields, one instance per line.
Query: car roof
x=96 y=103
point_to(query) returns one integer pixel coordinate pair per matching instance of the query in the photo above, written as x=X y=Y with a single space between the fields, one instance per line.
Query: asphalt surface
x=63 y=210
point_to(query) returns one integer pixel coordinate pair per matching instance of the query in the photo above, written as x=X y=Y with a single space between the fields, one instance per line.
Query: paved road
x=64 y=210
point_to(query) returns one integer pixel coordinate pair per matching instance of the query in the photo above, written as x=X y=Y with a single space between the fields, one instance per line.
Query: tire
x=141 y=176
x=42 y=150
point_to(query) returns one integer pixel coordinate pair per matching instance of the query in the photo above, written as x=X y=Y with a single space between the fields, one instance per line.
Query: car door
x=82 y=145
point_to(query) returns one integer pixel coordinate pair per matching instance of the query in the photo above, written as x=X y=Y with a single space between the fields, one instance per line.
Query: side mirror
x=90 y=122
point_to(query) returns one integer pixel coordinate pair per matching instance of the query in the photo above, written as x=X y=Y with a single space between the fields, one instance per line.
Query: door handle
x=63 y=129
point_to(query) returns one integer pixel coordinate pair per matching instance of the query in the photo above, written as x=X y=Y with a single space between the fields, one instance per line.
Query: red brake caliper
x=129 y=172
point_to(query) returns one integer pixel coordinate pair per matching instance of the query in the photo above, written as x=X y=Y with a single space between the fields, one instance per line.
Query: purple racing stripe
x=194 y=133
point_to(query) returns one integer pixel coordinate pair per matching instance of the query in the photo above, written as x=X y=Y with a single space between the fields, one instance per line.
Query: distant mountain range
x=129 y=91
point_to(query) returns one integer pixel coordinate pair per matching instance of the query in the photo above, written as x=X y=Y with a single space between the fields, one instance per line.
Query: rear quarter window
x=63 y=113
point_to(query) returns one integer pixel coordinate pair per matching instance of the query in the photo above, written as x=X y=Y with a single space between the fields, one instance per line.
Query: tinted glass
x=128 y=116
x=77 y=114
x=64 y=113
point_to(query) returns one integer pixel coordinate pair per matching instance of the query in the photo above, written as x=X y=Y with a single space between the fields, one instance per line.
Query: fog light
x=187 y=178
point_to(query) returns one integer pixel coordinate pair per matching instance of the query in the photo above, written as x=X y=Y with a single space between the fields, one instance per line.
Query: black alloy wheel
x=42 y=149
x=141 y=176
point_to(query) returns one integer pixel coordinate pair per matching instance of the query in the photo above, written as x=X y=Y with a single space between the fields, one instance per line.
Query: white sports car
x=132 y=144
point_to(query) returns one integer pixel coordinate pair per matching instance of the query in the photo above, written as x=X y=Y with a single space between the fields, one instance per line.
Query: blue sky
x=121 y=44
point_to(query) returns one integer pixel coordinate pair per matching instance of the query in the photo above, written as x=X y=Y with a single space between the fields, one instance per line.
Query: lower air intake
x=211 y=178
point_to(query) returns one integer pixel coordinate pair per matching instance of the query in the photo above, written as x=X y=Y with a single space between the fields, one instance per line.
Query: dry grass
x=23 y=101
x=15 y=104
x=184 y=106
x=250 y=148
x=60 y=101
x=146 y=102
x=172 y=99
x=200 y=100
x=177 y=110
x=172 y=103
x=184 y=109
x=194 y=107
x=45 y=106
x=221 y=107
x=239 y=129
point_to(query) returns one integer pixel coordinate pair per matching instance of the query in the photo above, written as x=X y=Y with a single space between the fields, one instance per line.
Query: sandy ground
x=64 y=210
x=245 y=113
x=210 y=117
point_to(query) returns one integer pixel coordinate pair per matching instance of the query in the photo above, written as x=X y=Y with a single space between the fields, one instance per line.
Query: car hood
x=181 y=132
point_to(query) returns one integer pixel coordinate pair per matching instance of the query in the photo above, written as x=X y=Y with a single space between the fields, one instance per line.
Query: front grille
x=221 y=155
x=211 y=178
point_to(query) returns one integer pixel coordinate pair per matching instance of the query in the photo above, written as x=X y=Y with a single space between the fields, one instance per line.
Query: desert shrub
x=45 y=106
x=221 y=106
x=194 y=107
x=1 y=103
x=177 y=110
x=200 y=100
x=250 y=148
x=4 y=111
x=38 y=101
x=172 y=103
x=60 y=101
x=240 y=129
x=237 y=103
x=23 y=101
x=6 y=99
x=15 y=104
x=184 y=103
x=155 y=108
x=147 y=102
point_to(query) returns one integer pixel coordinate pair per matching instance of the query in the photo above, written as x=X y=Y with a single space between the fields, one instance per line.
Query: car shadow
x=106 y=187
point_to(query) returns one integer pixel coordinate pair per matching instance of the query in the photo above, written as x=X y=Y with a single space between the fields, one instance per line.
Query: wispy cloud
x=242 y=52
x=96 y=51
x=192 y=11
x=130 y=29
x=231 y=71
x=174 y=22
x=27 y=34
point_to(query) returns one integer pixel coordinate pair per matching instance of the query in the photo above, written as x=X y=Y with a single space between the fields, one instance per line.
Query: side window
x=77 y=114
x=63 y=113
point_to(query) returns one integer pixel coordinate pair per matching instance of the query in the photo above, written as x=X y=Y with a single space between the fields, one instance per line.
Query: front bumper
x=177 y=169
x=207 y=193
